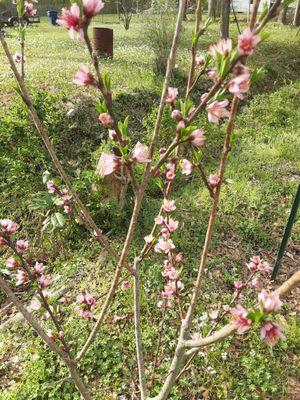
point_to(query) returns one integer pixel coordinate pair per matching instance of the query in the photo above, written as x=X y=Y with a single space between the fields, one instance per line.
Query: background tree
x=296 y=20
x=212 y=9
x=224 y=23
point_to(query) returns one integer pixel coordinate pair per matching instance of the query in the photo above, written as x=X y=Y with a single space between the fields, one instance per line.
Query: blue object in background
x=52 y=15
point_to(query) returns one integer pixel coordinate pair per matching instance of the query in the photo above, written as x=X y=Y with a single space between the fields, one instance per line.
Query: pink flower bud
x=180 y=125
x=22 y=245
x=171 y=95
x=176 y=114
x=112 y=135
x=214 y=180
x=197 y=138
x=125 y=285
x=187 y=167
x=106 y=119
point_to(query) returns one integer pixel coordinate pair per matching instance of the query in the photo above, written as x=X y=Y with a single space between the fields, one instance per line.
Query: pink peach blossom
x=169 y=205
x=212 y=73
x=22 y=245
x=171 y=95
x=148 y=239
x=217 y=110
x=140 y=153
x=51 y=334
x=169 y=290
x=8 y=225
x=240 y=320
x=197 y=138
x=52 y=189
x=29 y=8
x=39 y=268
x=247 y=42
x=241 y=69
x=264 y=267
x=35 y=305
x=84 y=77
x=200 y=60
x=106 y=119
x=270 y=301
x=108 y=164
x=125 y=285
x=92 y=7
x=186 y=166
x=21 y=277
x=271 y=333
x=11 y=262
x=238 y=285
x=179 y=258
x=239 y=85
x=172 y=225
x=159 y=220
x=67 y=209
x=164 y=245
x=3 y=242
x=44 y=281
x=255 y=283
x=223 y=47
x=71 y=20
x=165 y=233
x=18 y=57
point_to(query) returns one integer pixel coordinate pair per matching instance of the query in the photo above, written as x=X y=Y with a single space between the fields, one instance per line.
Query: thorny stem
x=52 y=345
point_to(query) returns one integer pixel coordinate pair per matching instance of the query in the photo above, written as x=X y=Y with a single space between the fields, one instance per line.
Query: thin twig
x=137 y=330
x=51 y=344
x=140 y=193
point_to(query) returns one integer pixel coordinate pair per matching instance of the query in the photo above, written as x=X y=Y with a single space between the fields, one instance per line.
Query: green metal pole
x=287 y=233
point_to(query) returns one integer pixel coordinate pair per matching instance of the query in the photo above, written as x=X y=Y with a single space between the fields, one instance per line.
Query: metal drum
x=103 y=42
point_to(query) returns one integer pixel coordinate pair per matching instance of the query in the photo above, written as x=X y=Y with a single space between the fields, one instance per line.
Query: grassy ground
x=261 y=181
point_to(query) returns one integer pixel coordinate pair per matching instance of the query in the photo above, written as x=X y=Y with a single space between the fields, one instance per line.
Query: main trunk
x=225 y=12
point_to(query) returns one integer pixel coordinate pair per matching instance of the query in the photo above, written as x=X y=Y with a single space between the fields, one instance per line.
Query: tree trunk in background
x=296 y=20
x=224 y=23
x=282 y=16
x=212 y=9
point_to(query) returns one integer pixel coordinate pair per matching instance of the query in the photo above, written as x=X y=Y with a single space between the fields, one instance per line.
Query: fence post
x=287 y=233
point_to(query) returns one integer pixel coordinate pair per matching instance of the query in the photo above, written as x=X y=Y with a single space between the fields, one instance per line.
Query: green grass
x=261 y=180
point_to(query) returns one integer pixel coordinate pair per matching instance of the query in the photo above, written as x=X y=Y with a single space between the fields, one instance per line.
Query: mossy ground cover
x=261 y=180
